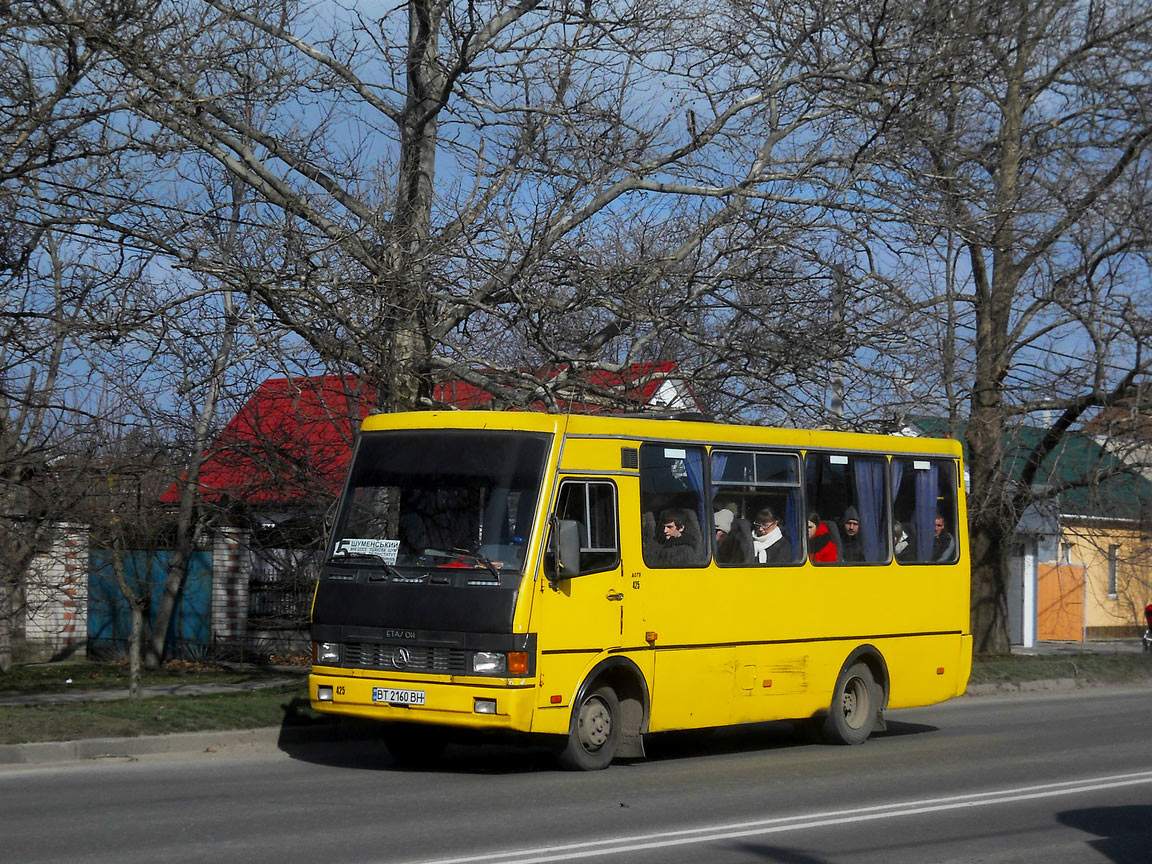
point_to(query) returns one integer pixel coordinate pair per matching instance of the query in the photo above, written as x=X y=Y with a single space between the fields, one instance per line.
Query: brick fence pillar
x=231 y=569
x=56 y=594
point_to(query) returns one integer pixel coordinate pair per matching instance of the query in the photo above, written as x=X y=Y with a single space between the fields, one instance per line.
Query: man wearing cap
x=852 y=548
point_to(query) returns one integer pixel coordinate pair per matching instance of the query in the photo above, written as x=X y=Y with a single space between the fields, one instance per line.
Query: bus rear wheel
x=852 y=713
x=594 y=733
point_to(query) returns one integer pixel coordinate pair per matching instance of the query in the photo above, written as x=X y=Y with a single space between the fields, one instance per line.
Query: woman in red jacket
x=821 y=543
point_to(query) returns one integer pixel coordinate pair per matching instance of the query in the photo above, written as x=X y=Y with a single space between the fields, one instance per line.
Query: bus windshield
x=441 y=498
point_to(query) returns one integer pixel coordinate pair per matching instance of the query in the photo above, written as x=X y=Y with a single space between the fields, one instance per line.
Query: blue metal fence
x=109 y=617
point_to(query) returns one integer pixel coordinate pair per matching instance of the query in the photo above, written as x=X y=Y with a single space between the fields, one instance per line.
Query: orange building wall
x=1119 y=615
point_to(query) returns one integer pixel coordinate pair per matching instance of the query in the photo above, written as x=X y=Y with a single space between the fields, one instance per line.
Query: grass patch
x=1085 y=668
x=63 y=677
x=160 y=715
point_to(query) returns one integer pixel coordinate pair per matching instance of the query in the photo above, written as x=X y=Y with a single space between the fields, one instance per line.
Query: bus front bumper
x=504 y=704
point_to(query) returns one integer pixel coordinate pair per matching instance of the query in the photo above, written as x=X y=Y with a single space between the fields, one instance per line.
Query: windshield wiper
x=344 y=555
x=476 y=556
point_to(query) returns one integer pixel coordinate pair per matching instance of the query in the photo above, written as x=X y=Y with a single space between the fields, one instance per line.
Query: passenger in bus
x=902 y=548
x=943 y=544
x=733 y=538
x=769 y=545
x=821 y=543
x=674 y=543
x=852 y=545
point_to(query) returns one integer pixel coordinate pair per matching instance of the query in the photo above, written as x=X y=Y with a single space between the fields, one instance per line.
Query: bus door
x=580 y=618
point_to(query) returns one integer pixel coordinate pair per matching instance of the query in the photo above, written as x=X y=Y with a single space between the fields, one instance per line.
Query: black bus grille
x=405 y=658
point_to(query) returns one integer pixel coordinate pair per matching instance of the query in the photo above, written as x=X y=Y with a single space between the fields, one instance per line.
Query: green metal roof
x=1076 y=461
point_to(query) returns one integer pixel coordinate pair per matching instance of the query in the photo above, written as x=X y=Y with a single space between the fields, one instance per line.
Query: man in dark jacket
x=673 y=544
x=852 y=547
x=943 y=544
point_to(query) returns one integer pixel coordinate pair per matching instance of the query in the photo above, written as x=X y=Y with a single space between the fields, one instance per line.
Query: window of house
x=924 y=510
x=672 y=505
x=762 y=491
x=592 y=504
x=1113 y=568
x=847 y=499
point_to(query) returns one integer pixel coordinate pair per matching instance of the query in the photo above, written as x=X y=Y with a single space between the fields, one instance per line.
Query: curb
x=1044 y=685
x=48 y=752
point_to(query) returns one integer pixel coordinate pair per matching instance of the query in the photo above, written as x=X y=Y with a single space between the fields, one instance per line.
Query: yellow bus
x=600 y=578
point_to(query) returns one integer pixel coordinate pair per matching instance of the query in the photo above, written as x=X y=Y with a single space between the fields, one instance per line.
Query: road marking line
x=776 y=825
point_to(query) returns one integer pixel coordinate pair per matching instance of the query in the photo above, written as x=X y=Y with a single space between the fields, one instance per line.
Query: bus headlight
x=489 y=662
x=326 y=653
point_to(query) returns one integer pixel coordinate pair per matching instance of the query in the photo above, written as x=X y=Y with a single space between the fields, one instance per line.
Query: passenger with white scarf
x=769 y=542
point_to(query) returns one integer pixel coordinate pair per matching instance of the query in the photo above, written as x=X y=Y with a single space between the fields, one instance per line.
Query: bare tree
x=60 y=178
x=50 y=402
x=586 y=179
x=933 y=204
x=1011 y=144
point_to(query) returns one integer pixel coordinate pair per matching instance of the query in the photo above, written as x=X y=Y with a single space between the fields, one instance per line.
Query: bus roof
x=658 y=429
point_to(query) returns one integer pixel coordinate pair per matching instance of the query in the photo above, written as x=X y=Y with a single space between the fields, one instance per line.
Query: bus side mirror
x=564 y=552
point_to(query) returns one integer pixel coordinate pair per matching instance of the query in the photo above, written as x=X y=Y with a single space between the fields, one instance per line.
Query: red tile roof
x=293 y=439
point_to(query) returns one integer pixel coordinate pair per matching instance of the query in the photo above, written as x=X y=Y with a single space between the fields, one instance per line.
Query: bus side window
x=672 y=490
x=924 y=503
x=593 y=505
x=849 y=491
x=762 y=490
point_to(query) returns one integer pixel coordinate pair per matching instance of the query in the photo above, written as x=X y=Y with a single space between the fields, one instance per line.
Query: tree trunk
x=189 y=494
x=407 y=382
x=13 y=504
x=7 y=620
x=135 y=603
x=135 y=637
x=989 y=545
x=990 y=528
x=173 y=585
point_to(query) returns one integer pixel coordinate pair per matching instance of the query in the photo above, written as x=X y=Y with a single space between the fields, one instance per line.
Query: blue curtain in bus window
x=792 y=521
x=927 y=488
x=870 y=496
x=719 y=460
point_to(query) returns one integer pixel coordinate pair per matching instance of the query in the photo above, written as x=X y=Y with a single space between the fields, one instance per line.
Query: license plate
x=397 y=697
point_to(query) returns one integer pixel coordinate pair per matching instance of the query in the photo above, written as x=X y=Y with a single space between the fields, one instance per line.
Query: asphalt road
x=1052 y=778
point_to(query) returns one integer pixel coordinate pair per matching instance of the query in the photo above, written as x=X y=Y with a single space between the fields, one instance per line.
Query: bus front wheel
x=854 y=703
x=594 y=733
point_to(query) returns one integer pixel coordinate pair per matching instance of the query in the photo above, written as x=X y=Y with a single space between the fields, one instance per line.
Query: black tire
x=413 y=746
x=594 y=732
x=855 y=701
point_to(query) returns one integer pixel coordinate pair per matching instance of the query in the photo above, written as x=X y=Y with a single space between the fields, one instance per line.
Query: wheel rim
x=595 y=724
x=855 y=702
